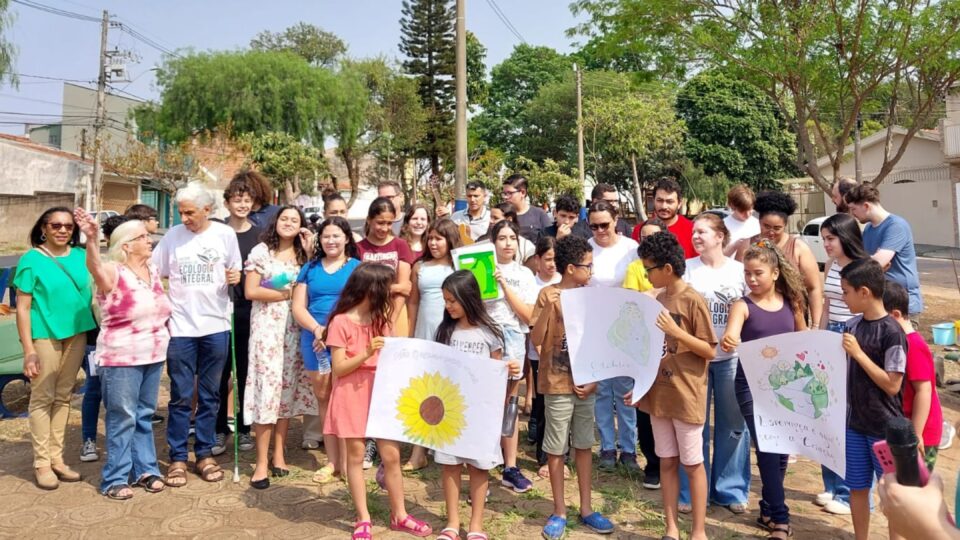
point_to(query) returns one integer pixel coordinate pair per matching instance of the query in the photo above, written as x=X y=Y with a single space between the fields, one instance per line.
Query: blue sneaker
x=597 y=523
x=514 y=479
x=555 y=529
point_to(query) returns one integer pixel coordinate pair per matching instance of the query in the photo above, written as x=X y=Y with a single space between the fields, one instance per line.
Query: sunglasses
x=600 y=226
x=58 y=226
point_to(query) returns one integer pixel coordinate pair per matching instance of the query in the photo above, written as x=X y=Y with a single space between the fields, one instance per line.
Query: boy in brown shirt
x=677 y=400
x=568 y=409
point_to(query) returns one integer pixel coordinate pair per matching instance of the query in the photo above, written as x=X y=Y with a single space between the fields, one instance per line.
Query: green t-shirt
x=58 y=310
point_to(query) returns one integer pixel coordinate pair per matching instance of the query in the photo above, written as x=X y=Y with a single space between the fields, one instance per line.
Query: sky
x=55 y=46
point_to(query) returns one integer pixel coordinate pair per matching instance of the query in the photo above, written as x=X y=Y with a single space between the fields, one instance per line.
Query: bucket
x=944 y=333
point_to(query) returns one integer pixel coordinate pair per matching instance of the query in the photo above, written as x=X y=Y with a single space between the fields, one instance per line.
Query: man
x=741 y=222
x=889 y=240
x=608 y=193
x=476 y=216
x=842 y=186
x=392 y=191
x=146 y=214
x=532 y=220
x=667 y=197
x=567 y=213
x=201 y=258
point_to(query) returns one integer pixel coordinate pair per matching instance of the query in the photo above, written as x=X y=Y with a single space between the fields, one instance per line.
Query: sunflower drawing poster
x=799 y=386
x=432 y=395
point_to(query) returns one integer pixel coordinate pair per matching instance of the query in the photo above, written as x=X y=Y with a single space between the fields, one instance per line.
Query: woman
x=612 y=254
x=774 y=209
x=131 y=350
x=278 y=387
x=720 y=280
x=53 y=316
x=414 y=229
x=318 y=288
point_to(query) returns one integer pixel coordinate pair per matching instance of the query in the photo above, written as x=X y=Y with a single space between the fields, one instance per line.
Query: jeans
x=90 y=409
x=199 y=358
x=609 y=401
x=729 y=475
x=130 y=399
x=241 y=347
x=773 y=467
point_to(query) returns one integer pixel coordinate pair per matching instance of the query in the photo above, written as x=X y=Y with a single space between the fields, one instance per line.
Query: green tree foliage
x=478 y=88
x=547 y=180
x=7 y=49
x=820 y=62
x=252 y=91
x=291 y=165
x=315 y=45
x=427 y=41
x=732 y=128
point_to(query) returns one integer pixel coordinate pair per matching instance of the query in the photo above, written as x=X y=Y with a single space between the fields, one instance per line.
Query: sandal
x=209 y=470
x=449 y=533
x=149 y=483
x=176 y=474
x=409 y=466
x=411 y=525
x=362 y=530
x=684 y=508
x=477 y=536
x=119 y=492
x=781 y=528
x=324 y=474
x=765 y=522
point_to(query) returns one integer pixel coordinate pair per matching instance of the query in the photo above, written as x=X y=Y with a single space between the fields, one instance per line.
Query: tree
x=348 y=102
x=547 y=180
x=478 y=88
x=7 y=49
x=427 y=41
x=289 y=163
x=732 y=128
x=819 y=62
x=318 y=47
x=253 y=91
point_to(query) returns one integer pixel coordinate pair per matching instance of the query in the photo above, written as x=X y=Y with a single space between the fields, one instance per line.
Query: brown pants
x=50 y=394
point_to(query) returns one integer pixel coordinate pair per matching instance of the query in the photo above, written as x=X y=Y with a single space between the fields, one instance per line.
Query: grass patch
x=535 y=494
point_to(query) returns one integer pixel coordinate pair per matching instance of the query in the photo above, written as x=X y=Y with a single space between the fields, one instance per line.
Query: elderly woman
x=131 y=348
x=201 y=258
x=53 y=316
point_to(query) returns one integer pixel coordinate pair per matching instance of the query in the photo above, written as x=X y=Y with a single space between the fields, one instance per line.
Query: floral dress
x=277 y=384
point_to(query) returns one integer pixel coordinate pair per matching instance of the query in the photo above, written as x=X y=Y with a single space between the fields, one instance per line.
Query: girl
x=355 y=336
x=506 y=211
x=512 y=312
x=278 y=387
x=774 y=305
x=318 y=288
x=414 y=229
x=467 y=327
x=382 y=247
x=843 y=243
x=425 y=305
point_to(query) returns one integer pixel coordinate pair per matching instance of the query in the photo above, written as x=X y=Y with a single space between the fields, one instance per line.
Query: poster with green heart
x=481 y=260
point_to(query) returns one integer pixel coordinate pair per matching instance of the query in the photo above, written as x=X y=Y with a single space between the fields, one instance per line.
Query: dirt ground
x=294 y=507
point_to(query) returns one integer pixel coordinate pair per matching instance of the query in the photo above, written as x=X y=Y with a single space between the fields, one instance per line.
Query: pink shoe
x=362 y=530
x=411 y=525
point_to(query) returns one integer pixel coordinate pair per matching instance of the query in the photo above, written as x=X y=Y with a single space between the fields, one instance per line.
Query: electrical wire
x=57 y=11
x=505 y=20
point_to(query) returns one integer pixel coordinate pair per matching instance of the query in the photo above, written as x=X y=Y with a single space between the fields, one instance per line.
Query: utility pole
x=858 y=164
x=460 y=170
x=101 y=117
x=580 y=165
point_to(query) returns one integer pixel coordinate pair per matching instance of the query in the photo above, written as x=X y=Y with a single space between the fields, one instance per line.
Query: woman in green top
x=53 y=315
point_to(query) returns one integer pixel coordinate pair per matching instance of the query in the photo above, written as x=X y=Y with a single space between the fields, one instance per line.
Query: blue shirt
x=323 y=289
x=894 y=233
x=263 y=215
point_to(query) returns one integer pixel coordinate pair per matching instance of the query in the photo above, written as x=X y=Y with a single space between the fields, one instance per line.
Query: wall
x=18 y=214
x=27 y=172
x=80 y=103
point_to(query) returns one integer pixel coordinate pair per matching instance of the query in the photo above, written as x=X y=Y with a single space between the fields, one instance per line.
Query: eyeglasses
x=58 y=226
x=507 y=193
x=141 y=237
x=652 y=268
x=600 y=226
x=588 y=266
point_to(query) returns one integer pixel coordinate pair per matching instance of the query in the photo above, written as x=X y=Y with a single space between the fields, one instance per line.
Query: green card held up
x=481 y=260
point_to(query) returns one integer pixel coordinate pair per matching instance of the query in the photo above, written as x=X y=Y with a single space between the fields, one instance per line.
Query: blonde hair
x=125 y=233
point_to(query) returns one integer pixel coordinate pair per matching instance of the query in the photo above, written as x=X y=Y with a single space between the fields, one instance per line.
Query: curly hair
x=570 y=249
x=567 y=203
x=663 y=248
x=789 y=282
x=775 y=202
x=271 y=238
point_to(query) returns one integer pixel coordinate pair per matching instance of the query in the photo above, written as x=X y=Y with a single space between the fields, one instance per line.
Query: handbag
x=94 y=332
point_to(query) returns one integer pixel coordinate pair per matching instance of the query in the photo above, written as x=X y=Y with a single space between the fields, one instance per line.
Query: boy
x=921 y=404
x=877 y=349
x=677 y=401
x=568 y=409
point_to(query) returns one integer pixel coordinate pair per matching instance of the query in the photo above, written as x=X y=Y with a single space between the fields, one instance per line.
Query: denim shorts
x=313 y=361
x=514 y=347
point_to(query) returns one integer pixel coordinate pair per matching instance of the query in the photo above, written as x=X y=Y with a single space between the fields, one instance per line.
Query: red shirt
x=390 y=254
x=682 y=230
x=920 y=368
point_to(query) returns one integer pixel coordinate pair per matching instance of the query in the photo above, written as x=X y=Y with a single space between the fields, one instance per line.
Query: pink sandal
x=449 y=534
x=411 y=525
x=477 y=536
x=362 y=530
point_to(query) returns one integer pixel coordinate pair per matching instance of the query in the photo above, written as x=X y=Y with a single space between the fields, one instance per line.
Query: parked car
x=811 y=235
x=100 y=217
x=312 y=210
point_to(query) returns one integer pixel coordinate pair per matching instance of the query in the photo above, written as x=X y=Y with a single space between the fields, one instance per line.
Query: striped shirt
x=839 y=312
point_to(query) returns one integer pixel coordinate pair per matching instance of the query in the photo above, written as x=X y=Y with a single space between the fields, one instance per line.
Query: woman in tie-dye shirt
x=131 y=349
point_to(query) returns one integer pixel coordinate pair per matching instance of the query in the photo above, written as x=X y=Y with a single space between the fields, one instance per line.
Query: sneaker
x=369 y=454
x=310 y=444
x=219 y=445
x=246 y=442
x=156 y=419
x=514 y=479
x=837 y=507
x=946 y=440
x=532 y=431
x=792 y=458
x=608 y=460
x=651 y=481
x=823 y=498
x=88 y=452
x=629 y=462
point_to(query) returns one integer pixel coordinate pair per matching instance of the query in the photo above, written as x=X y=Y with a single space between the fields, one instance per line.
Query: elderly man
x=201 y=258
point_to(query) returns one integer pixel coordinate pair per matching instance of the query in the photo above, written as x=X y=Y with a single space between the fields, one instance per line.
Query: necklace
x=143 y=279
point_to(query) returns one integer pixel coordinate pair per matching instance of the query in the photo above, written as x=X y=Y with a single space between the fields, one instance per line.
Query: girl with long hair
x=414 y=229
x=355 y=335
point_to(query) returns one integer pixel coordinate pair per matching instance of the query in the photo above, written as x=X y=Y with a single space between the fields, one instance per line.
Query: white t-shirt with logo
x=720 y=287
x=196 y=266
x=742 y=229
x=521 y=280
x=478 y=342
x=610 y=263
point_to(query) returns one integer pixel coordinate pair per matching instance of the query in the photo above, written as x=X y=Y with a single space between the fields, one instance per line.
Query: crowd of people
x=293 y=315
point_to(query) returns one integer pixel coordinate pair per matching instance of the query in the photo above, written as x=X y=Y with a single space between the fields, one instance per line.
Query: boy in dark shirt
x=877 y=350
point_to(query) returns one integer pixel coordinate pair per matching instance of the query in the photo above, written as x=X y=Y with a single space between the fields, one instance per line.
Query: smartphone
x=882 y=451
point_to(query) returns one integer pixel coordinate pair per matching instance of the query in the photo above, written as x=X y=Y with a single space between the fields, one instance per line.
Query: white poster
x=432 y=395
x=612 y=332
x=799 y=386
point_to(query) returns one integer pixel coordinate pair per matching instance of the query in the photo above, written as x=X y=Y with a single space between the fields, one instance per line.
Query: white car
x=811 y=235
x=100 y=218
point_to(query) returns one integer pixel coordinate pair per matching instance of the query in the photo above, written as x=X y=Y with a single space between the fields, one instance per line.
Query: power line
x=44 y=77
x=139 y=36
x=57 y=11
x=506 y=20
